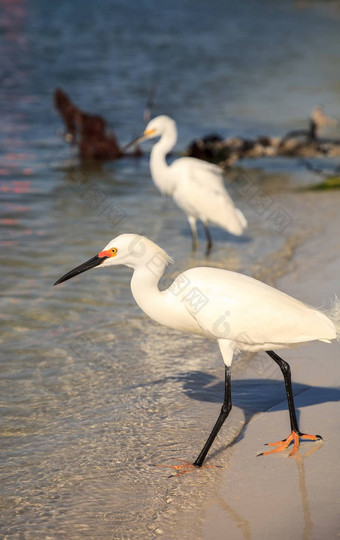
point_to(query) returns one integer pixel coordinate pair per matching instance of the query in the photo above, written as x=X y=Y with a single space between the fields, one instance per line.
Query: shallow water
x=93 y=393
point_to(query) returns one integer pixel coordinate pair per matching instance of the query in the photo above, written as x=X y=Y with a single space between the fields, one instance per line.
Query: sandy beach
x=279 y=496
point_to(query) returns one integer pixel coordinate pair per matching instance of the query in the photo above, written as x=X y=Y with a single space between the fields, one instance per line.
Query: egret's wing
x=200 y=192
x=201 y=173
x=239 y=308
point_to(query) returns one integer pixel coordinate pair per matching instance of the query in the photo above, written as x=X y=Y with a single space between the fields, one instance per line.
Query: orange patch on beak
x=148 y=132
x=106 y=253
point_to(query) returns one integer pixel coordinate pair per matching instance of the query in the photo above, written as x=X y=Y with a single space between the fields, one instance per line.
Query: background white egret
x=236 y=310
x=196 y=186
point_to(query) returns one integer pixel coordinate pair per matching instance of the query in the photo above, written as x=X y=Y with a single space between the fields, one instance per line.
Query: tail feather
x=234 y=222
x=241 y=217
x=333 y=313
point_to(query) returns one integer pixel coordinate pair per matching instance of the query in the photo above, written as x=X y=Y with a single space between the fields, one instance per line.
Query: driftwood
x=304 y=143
x=87 y=131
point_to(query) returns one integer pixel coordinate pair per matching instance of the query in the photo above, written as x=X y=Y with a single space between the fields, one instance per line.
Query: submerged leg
x=209 y=240
x=226 y=408
x=227 y=351
x=296 y=434
x=185 y=466
x=192 y=223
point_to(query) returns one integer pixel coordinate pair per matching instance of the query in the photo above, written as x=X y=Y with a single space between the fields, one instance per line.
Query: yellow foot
x=185 y=467
x=293 y=437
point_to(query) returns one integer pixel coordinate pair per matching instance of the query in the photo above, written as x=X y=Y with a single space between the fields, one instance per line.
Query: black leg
x=296 y=434
x=226 y=408
x=209 y=239
x=285 y=368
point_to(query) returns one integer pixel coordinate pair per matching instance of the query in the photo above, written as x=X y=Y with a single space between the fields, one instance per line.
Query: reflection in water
x=244 y=524
x=299 y=460
x=240 y=522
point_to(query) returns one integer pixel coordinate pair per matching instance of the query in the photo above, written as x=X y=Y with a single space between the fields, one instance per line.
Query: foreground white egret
x=236 y=310
x=196 y=186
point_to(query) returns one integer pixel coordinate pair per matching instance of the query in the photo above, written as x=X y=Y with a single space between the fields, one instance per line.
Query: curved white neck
x=160 y=170
x=144 y=287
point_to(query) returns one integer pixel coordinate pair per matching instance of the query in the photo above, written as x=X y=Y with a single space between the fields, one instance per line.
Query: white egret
x=196 y=186
x=237 y=311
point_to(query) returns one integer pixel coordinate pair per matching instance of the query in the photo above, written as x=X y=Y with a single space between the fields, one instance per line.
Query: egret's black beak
x=137 y=140
x=148 y=134
x=91 y=263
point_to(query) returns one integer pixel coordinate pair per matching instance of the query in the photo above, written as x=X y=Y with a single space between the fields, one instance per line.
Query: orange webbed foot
x=185 y=467
x=293 y=437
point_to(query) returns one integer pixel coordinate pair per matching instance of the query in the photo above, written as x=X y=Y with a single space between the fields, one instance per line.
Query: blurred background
x=93 y=393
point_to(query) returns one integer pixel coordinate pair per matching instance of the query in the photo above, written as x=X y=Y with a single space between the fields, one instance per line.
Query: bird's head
x=156 y=128
x=159 y=125
x=131 y=250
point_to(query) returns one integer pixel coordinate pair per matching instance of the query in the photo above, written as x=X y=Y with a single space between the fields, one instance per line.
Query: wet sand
x=279 y=496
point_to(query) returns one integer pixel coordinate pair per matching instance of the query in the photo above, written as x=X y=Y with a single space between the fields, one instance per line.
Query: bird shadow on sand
x=253 y=396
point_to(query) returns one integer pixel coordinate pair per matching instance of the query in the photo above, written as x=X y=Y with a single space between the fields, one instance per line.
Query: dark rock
x=87 y=131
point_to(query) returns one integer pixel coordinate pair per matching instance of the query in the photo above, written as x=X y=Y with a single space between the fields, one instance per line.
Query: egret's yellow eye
x=114 y=251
